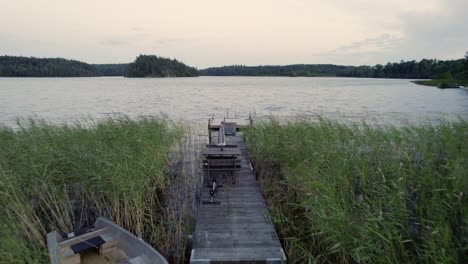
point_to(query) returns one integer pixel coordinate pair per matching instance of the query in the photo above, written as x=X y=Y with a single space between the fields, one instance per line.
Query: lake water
x=374 y=100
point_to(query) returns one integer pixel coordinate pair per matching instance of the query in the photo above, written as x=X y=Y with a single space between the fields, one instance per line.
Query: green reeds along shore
x=63 y=176
x=336 y=192
x=375 y=194
x=443 y=84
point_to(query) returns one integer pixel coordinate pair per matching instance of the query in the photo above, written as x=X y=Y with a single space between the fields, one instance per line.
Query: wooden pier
x=234 y=226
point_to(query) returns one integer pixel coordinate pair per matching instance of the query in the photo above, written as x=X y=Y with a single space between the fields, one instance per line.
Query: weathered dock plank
x=235 y=227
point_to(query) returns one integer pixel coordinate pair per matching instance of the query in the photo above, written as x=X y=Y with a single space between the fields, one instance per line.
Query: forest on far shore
x=13 y=66
x=144 y=66
x=424 y=69
x=154 y=66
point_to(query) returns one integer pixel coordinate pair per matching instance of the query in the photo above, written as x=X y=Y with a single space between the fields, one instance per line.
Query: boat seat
x=99 y=239
x=94 y=242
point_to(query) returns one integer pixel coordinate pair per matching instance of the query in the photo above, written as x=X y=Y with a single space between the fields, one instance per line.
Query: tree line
x=465 y=72
x=13 y=66
x=144 y=66
x=424 y=69
x=154 y=66
x=111 y=69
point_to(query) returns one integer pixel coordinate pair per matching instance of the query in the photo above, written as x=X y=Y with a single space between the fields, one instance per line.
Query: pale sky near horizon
x=208 y=33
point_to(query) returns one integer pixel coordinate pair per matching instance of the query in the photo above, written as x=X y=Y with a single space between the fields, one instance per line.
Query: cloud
x=114 y=42
x=15 y=44
x=138 y=36
x=137 y=29
x=443 y=34
x=382 y=43
x=123 y=40
x=169 y=41
x=439 y=32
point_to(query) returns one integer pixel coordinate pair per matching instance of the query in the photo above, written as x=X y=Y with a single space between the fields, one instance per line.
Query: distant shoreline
x=152 y=66
x=412 y=80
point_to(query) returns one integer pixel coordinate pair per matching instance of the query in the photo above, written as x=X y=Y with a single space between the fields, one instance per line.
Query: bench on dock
x=221 y=164
x=221 y=161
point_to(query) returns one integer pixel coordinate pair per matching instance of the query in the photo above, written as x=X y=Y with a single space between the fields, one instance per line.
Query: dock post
x=209 y=131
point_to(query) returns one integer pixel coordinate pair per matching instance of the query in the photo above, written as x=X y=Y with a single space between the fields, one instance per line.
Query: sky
x=206 y=33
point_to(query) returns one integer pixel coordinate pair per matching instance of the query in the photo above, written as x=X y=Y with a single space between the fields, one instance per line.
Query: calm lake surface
x=196 y=99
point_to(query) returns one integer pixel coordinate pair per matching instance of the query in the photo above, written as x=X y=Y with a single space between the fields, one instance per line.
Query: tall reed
x=380 y=194
x=183 y=195
x=63 y=177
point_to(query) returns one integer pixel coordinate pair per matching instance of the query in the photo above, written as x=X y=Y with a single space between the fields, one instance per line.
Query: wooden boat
x=105 y=243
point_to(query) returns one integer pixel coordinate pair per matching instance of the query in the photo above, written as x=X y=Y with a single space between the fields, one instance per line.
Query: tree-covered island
x=154 y=66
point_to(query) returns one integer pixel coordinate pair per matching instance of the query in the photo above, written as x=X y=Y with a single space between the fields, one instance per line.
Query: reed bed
x=184 y=193
x=63 y=177
x=341 y=193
